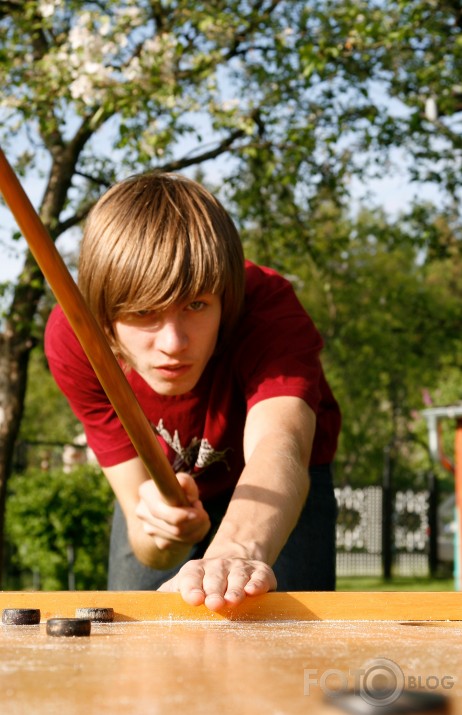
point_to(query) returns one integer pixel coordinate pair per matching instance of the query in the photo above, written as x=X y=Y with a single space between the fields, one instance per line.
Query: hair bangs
x=156 y=240
x=175 y=278
x=175 y=258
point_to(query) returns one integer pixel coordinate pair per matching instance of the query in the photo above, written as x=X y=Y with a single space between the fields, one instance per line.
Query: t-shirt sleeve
x=76 y=378
x=279 y=344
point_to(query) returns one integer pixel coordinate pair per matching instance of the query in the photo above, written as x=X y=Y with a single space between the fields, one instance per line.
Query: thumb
x=189 y=486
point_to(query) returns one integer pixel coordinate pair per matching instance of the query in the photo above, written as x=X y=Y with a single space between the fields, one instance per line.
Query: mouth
x=172 y=371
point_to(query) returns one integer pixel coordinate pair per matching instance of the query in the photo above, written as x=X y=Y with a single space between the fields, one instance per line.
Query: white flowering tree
x=91 y=91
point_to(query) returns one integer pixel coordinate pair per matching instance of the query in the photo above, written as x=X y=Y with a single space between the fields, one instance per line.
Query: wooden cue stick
x=91 y=337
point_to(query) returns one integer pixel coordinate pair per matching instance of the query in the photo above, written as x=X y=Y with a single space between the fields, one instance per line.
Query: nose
x=171 y=337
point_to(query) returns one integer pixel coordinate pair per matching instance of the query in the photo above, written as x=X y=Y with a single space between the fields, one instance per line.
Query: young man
x=225 y=364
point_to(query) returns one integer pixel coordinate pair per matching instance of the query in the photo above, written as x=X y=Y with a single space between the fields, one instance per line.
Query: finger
x=190 y=583
x=171 y=514
x=163 y=544
x=189 y=486
x=161 y=531
x=153 y=525
x=170 y=586
x=261 y=581
x=188 y=533
x=190 y=529
x=230 y=585
x=222 y=583
x=162 y=513
x=215 y=602
x=238 y=578
x=156 y=506
x=215 y=584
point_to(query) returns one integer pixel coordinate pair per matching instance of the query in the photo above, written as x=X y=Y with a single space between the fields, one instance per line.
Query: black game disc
x=21 y=616
x=68 y=627
x=98 y=615
x=409 y=701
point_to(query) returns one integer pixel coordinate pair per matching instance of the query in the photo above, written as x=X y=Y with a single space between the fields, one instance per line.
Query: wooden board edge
x=279 y=606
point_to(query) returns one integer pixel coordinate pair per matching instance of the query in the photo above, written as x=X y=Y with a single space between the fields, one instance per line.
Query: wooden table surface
x=279 y=654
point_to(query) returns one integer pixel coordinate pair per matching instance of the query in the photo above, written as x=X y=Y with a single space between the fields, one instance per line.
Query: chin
x=173 y=390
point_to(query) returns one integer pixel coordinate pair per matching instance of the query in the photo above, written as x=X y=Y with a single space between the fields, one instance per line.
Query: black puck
x=21 y=616
x=98 y=615
x=68 y=627
x=379 y=702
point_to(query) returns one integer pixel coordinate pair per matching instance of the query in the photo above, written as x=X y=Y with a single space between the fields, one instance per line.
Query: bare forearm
x=147 y=553
x=260 y=517
x=265 y=507
x=266 y=504
x=161 y=536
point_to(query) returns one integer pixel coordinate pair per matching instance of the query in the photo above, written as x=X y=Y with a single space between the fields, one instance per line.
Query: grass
x=398 y=583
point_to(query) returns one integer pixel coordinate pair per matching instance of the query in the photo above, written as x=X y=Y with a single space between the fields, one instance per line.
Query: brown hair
x=158 y=239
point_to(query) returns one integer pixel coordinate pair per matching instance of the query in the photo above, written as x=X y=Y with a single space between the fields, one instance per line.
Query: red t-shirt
x=274 y=352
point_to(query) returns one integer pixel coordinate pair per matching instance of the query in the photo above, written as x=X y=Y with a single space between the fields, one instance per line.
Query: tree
x=388 y=302
x=421 y=60
x=386 y=97
x=48 y=425
x=47 y=416
x=287 y=88
x=58 y=526
x=95 y=91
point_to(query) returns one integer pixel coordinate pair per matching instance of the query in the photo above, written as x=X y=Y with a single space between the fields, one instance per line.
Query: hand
x=221 y=582
x=168 y=525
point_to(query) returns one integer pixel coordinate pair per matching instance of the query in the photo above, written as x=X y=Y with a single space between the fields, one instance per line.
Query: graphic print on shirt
x=199 y=454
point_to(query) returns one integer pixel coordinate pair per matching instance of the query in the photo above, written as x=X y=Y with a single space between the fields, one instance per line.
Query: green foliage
x=301 y=95
x=305 y=87
x=47 y=416
x=397 y=583
x=50 y=511
x=390 y=314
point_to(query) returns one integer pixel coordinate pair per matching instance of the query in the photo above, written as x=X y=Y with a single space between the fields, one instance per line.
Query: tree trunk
x=16 y=343
x=14 y=361
x=20 y=325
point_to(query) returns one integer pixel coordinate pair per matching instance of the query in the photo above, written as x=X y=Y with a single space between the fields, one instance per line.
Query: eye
x=196 y=305
x=144 y=317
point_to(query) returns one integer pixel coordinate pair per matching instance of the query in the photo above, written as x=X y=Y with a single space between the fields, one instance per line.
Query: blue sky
x=393 y=192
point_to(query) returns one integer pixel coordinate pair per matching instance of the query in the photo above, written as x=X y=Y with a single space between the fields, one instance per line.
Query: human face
x=170 y=348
